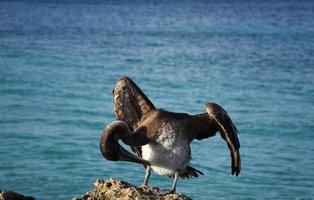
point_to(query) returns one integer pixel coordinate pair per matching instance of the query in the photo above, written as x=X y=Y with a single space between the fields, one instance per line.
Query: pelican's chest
x=169 y=152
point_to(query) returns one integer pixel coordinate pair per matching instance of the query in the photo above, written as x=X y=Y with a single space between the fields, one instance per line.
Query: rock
x=9 y=195
x=115 y=189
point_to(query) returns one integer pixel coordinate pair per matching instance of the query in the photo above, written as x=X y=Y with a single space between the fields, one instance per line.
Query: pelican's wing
x=216 y=119
x=130 y=104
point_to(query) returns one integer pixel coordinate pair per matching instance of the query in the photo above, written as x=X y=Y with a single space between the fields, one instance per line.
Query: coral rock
x=115 y=189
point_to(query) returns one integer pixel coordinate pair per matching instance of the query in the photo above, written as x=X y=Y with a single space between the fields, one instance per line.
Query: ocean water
x=60 y=60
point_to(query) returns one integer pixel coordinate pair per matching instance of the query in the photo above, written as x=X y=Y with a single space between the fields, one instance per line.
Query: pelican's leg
x=147 y=175
x=174 y=185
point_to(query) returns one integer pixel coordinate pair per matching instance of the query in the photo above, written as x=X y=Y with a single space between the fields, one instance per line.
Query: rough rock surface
x=115 y=189
x=9 y=195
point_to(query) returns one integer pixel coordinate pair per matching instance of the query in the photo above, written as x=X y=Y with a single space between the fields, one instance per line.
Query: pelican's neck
x=110 y=147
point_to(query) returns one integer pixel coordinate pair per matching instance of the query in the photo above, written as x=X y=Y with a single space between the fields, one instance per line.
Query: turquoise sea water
x=60 y=60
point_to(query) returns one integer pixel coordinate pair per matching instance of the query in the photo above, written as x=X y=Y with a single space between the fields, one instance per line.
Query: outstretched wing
x=130 y=104
x=216 y=119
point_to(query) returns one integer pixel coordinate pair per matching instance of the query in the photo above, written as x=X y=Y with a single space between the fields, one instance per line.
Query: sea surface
x=59 y=61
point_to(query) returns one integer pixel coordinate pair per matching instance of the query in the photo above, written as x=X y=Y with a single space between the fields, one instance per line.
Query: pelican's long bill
x=125 y=155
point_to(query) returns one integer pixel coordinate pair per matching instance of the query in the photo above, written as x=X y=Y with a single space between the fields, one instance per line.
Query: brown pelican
x=161 y=139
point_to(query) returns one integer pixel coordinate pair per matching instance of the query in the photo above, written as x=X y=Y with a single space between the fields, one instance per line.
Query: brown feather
x=130 y=104
x=207 y=124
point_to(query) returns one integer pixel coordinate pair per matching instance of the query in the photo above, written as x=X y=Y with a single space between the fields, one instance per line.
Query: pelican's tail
x=190 y=172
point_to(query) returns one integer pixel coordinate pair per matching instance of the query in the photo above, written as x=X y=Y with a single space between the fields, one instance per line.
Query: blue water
x=59 y=62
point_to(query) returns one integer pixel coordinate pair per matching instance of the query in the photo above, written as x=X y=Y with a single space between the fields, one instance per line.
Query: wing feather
x=130 y=104
x=216 y=119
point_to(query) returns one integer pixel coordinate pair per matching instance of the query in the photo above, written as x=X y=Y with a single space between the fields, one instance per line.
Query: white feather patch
x=170 y=152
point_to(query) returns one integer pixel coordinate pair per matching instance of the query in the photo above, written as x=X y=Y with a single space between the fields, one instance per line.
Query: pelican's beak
x=124 y=155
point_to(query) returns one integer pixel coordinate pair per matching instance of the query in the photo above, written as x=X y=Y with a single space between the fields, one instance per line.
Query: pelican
x=161 y=139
